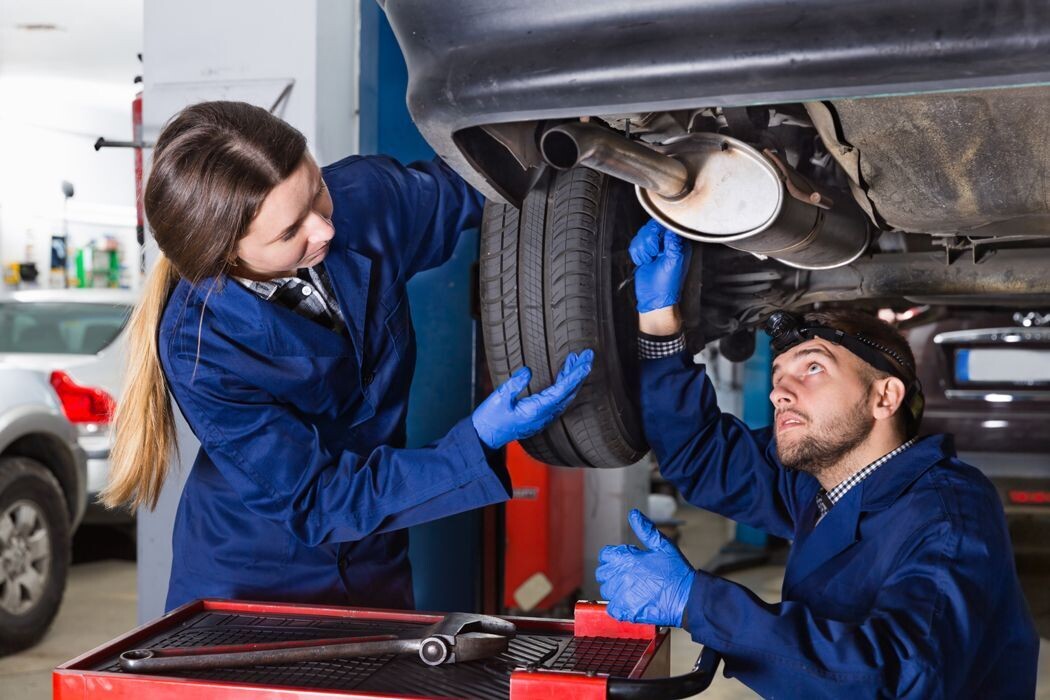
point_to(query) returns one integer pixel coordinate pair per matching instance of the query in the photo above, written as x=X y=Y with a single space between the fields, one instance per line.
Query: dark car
x=876 y=154
x=986 y=376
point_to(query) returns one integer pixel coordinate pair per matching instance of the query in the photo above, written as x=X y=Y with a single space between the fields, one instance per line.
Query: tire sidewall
x=26 y=479
x=555 y=279
x=620 y=216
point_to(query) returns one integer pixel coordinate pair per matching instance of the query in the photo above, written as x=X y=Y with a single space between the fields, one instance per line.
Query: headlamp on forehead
x=786 y=330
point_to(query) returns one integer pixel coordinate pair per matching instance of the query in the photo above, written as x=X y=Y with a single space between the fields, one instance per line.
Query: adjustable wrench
x=456 y=638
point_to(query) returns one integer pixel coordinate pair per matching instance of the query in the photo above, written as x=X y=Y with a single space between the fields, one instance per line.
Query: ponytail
x=144 y=420
x=214 y=164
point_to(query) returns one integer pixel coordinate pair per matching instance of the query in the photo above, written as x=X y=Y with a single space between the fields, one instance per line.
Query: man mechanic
x=900 y=580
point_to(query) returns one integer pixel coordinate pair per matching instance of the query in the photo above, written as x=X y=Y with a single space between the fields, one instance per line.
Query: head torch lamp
x=786 y=330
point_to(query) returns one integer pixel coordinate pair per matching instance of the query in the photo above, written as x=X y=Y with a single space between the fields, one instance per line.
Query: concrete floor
x=100 y=605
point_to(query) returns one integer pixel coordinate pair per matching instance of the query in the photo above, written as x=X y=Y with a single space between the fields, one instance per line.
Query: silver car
x=60 y=364
x=75 y=338
x=42 y=488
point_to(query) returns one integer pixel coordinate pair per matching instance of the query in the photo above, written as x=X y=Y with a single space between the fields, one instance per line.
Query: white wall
x=47 y=130
x=59 y=91
x=250 y=50
x=52 y=141
x=62 y=89
x=337 y=76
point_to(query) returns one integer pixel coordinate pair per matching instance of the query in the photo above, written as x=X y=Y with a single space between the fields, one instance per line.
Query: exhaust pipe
x=717 y=189
x=577 y=143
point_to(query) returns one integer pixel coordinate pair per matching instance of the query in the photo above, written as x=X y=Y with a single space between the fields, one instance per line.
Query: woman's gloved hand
x=502 y=417
x=645 y=586
x=662 y=258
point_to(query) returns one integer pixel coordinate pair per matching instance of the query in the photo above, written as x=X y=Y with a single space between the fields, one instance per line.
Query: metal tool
x=458 y=637
x=627 y=280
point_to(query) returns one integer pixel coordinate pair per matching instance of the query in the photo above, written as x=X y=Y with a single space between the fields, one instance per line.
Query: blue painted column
x=757 y=413
x=757 y=382
x=446 y=555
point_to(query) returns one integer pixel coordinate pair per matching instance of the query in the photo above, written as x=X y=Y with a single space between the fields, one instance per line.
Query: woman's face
x=292 y=229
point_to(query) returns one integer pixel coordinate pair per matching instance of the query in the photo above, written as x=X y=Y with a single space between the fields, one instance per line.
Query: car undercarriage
x=883 y=155
x=933 y=210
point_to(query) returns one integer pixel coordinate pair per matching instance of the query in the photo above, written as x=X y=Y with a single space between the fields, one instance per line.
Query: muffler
x=717 y=189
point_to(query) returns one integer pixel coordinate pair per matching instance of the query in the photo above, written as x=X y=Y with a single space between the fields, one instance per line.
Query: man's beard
x=818 y=452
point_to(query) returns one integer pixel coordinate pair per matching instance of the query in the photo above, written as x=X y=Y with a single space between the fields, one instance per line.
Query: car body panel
x=102 y=370
x=29 y=407
x=87 y=296
x=480 y=62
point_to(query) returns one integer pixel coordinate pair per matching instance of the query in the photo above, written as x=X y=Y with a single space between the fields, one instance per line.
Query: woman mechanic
x=278 y=319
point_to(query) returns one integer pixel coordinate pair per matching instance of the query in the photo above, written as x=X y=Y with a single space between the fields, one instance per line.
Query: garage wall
x=251 y=50
x=66 y=78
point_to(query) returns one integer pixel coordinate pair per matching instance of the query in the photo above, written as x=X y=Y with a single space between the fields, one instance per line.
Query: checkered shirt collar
x=265 y=290
x=318 y=305
x=826 y=499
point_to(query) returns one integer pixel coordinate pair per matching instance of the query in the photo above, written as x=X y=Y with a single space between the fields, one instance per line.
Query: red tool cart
x=589 y=657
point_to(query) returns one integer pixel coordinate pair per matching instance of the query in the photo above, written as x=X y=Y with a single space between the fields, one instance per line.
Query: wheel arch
x=50 y=440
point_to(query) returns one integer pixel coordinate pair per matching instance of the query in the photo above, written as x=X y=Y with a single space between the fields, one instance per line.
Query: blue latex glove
x=662 y=258
x=645 y=586
x=502 y=417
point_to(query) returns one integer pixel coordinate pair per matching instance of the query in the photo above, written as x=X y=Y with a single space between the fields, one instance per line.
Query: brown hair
x=213 y=165
x=873 y=328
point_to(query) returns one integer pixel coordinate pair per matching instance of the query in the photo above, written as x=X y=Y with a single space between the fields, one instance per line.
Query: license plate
x=1019 y=366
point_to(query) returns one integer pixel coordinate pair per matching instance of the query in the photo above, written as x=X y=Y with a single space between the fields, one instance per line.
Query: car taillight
x=1019 y=497
x=82 y=404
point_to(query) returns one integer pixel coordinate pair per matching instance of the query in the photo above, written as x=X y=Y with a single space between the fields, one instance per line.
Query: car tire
x=552 y=282
x=34 y=533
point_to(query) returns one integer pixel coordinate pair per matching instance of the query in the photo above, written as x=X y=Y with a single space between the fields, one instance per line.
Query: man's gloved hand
x=662 y=258
x=645 y=586
x=502 y=417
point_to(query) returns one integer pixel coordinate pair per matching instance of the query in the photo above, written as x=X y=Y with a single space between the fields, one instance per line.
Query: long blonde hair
x=213 y=165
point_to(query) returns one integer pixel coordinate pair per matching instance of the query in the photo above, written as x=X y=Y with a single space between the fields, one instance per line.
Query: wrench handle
x=206 y=658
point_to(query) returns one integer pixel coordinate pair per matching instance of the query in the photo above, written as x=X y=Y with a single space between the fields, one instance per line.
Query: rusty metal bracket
x=798 y=185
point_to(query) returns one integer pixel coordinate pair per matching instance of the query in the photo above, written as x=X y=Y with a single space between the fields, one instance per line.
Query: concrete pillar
x=609 y=495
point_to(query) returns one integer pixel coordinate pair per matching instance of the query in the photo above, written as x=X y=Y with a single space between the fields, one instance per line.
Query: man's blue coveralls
x=298 y=492
x=906 y=588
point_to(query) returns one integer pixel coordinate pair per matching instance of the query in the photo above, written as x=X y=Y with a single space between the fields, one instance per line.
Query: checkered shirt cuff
x=654 y=347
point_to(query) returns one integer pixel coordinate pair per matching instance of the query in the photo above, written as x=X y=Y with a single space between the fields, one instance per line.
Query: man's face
x=822 y=407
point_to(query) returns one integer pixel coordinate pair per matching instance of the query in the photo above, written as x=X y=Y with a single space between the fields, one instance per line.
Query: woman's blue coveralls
x=300 y=490
x=905 y=589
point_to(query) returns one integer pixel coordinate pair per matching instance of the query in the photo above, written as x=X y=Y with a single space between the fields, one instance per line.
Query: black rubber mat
x=487 y=679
